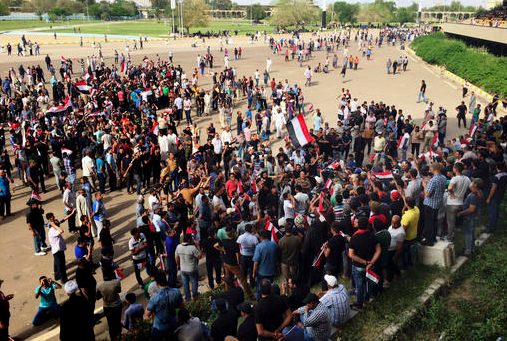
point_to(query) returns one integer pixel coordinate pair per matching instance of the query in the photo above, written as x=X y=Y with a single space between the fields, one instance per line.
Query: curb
x=433 y=290
x=453 y=76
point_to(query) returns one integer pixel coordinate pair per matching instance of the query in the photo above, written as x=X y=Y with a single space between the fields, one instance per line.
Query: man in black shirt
x=462 y=110
x=213 y=260
x=86 y=282
x=230 y=256
x=247 y=331
x=35 y=222
x=226 y=322
x=271 y=314
x=106 y=242
x=364 y=250
x=333 y=253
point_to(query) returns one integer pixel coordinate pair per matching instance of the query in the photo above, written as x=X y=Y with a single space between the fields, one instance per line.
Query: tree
x=43 y=6
x=157 y=6
x=59 y=12
x=194 y=14
x=405 y=14
x=346 y=12
x=293 y=12
x=222 y=4
x=4 y=9
x=255 y=12
x=382 y=12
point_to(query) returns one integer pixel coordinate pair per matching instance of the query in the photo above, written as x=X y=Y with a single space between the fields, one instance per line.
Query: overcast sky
x=426 y=3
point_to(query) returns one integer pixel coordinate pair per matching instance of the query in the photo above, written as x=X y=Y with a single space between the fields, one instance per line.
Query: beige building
x=493 y=3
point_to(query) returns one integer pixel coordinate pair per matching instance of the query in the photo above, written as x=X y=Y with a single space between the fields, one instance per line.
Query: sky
x=426 y=3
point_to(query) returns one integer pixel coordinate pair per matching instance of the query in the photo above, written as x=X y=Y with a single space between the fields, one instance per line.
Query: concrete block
x=442 y=254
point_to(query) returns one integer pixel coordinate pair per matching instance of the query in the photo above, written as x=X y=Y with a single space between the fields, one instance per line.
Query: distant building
x=493 y=3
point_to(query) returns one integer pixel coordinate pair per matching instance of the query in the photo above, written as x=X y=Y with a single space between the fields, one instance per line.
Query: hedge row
x=485 y=70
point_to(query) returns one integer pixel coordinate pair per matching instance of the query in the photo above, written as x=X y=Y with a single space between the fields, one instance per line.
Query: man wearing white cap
x=336 y=300
x=72 y=328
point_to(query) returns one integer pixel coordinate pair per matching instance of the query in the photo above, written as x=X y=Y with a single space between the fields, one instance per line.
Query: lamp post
x=419 y=10
x=173 y=6
x=181 y=18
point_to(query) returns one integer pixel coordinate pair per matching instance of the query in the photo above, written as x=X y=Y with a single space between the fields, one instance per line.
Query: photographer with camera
x=46 y=292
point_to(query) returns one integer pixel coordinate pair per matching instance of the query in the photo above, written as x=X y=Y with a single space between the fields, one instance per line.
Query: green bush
x=482 y=69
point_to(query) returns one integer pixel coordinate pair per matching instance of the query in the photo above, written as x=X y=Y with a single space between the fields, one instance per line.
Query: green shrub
x=485 y=70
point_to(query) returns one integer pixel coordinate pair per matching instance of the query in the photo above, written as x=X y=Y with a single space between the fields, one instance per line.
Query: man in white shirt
x=395 y=248
x=163 y=142
x=302 y=200
x=153 y=199
x=457 y=189
x=88 y=165
x=248 y=243
x=289 y=204
x=227 y=135
x=217 y=145
x=107 y=140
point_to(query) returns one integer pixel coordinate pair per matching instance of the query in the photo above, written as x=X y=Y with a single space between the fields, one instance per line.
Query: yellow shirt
x=409 y=221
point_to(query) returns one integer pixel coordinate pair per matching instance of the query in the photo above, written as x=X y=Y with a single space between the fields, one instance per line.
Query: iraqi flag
x=66 y=151
x=63 y=60
x=317 y=260
x=14 y=126
x=272 y=228
x=334 y=165
x=403 y=141
x=83 y=87
x=383 y=175
x=372 y=276
x=310 y=109
x=435 y=141
x=298 y=131
x=123 y=67
x=162 y=262
x=61 y=108
x=328 y=184
x=155 y=129
x=255 y=188
x=321 y=203
x=88 y=77
x=35 y=196
x=373 y=157
x=473 y=129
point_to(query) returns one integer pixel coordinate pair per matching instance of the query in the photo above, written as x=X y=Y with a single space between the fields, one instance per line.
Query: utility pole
x=324 y=5
x=173 y=6
x=419 y=10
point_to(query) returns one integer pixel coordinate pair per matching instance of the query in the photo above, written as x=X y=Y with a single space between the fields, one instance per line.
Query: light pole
x=419 y=10
x=173 y=6
x=181 y=18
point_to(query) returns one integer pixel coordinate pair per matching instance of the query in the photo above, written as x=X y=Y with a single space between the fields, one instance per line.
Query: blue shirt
x=436 y=187
x=47 y=296
x=164 y=304
x=132 y=314
x=4 y=186
x=100 y=210
x=265 y=254
x=100 y=165
x=170 y=246
x=80 y=252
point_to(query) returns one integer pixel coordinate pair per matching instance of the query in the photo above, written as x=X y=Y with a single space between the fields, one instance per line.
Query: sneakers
x=45 y=249
x=41 y=253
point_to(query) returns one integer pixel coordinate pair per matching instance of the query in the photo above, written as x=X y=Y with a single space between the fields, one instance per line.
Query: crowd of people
x=353 y=204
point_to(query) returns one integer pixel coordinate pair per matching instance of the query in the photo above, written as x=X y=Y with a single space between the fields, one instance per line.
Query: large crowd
x=353 y=203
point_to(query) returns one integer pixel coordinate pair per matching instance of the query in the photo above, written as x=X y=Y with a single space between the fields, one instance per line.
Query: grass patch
x=387 y=308
x=9 y=25
x=153 y=28
x=475 y=65
x=475 y=307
